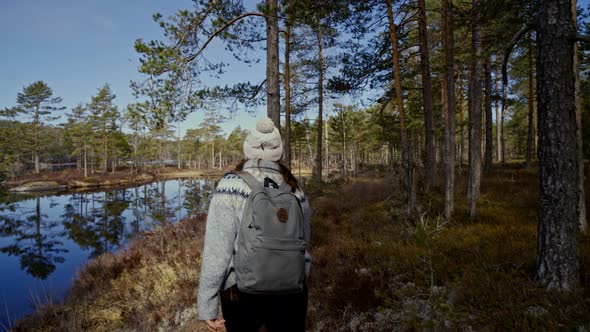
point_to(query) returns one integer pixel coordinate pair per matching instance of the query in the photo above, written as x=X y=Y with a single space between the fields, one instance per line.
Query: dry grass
x=374 y=269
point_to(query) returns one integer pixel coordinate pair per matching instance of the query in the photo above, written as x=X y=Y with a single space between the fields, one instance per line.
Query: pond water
x=45 y=239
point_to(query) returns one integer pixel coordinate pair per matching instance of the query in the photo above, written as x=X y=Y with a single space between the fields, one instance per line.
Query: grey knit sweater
x=223 y=220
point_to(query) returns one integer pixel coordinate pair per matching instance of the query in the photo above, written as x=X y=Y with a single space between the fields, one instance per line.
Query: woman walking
x=255 y=259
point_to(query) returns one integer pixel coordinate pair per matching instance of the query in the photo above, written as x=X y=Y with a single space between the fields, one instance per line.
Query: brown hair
x=284 y=169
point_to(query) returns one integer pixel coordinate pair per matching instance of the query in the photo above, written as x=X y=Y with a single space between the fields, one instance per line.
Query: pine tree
x=558 y=264
x=36 y=102
x=103 y=115
x=79 y=130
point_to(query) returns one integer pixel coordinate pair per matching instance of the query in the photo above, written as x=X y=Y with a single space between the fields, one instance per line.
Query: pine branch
x=196 y=23
x=508 y=49
x=220 y=30
x=257 y=90
x=582 y=38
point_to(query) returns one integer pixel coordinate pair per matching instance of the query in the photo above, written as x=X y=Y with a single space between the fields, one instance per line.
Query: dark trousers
x=248 y=312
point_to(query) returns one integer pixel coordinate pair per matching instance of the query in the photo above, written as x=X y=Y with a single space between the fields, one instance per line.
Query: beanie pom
x=265 y=125
x=264 y=142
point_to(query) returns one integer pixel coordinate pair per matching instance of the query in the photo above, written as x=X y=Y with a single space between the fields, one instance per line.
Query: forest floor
x=374 y=269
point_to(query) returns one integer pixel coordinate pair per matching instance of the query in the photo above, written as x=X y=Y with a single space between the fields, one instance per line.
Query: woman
x=244 y=311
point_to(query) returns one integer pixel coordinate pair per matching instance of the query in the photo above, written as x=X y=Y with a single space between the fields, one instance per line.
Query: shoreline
x=74 y=180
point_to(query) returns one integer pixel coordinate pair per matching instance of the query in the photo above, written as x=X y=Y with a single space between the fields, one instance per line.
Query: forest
x=458 y=129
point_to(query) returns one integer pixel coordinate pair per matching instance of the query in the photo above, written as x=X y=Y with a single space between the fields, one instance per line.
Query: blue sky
x=78 y=46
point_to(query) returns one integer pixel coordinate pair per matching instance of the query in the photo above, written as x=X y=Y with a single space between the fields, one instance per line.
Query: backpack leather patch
x=283 y=215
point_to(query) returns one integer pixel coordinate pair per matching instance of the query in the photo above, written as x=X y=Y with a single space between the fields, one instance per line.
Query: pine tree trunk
x=489 y=151
x=475 y=114
x=273 y=107
x=85 y=163
x=502 y=114
x=212 y=166
x=462 y=129
x=36 y=158
x=105 y=154
x=344 y=148
x=178 y=149
x=582 y=195
x=496 y=106
x=36 y=137
x=449 y=109
x=327 y=144
x=114 y=162
x=426 y=95
x=530 y=132
x=287 y=73
x=558 y=254
x=308 y=143
x=407 y=162
x=320 y=120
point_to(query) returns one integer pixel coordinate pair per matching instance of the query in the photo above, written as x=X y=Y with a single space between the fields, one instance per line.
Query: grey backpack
x=270 y=257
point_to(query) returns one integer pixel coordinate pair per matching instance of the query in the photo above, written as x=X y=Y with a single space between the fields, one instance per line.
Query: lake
x=45 y=239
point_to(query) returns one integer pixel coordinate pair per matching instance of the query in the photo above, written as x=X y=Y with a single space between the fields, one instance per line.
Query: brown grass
x=376 y=270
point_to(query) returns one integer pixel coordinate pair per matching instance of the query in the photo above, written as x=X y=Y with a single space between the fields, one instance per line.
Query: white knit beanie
x=264 y=142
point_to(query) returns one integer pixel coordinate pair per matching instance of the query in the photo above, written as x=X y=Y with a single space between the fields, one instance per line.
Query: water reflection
x=96 y=221
x=36 y=241
x=43 y=233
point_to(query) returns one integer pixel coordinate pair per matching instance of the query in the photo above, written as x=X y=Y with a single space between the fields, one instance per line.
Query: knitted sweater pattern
x=223 y=220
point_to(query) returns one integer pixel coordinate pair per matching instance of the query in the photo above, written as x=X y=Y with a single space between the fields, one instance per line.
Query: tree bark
x=462 y=129
x=449 y=109
x=502 y=114
x=407 y=162
x=36 y=143
x=287 y=73
x=426 y=95
x=489 y=151
x=273 y=106
x=85 y=163
x=530 y=132
x=327 y=144
x=558 y=253
x=320 y=119
x=475 y=114
x=105 y=154
x=496 y=106
x=582 y=195
x=344 y=145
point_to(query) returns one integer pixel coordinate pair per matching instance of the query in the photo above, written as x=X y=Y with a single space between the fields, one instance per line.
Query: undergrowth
x=375 y=268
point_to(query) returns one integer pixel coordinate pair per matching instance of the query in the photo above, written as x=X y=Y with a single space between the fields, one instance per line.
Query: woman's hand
x=215 y=324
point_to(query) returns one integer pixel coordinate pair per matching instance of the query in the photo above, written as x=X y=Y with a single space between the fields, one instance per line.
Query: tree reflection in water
x=197 y=195
x=101 y=227
x=36 y=241
x=95 y=222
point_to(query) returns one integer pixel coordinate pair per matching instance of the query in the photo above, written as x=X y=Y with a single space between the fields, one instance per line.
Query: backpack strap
x=253 y=183
x=285 y=187
x=250 y=180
